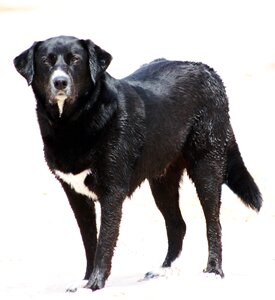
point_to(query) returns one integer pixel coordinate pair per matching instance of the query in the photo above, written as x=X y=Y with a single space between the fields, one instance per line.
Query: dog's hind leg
x=207 y=177
x=165 y=190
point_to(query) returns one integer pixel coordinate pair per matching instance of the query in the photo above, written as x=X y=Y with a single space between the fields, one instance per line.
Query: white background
x=41 y=250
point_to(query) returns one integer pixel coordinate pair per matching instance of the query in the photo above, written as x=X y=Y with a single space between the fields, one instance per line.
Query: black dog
x=103 y=137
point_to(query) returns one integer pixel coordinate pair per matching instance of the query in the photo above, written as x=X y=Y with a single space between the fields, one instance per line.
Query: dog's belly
x=77 y=182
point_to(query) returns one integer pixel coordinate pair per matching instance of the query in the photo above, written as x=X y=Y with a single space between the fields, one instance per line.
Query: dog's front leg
x=111 y=211
x=84 y=211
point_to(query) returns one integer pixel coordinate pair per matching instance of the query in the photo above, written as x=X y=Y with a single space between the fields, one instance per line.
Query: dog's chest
x=77 y=182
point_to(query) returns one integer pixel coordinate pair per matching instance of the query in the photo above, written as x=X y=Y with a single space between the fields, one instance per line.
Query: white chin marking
x=60 y=103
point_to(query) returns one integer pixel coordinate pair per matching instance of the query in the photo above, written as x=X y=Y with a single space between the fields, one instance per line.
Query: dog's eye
x=49 y=60
x=74 y=60
x=45 y=60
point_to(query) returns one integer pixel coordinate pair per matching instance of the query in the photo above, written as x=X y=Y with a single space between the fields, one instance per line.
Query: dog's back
x=186 y=109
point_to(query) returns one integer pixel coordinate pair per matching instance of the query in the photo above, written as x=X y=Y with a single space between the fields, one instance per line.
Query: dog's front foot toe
x=161 y=273
x=95 y=283
x=151 y=275
x=73 y=287
x=216 y=271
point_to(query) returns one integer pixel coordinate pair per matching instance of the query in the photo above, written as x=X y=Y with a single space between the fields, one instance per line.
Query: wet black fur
x=167 y=117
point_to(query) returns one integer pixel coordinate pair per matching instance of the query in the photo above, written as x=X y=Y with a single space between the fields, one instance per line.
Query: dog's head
x=62 y=69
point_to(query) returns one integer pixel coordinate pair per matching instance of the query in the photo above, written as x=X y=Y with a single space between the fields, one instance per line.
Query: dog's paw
x=73 y=287
x=161 y=273
x=218 y=272
x=96 y=281
x=151 y=275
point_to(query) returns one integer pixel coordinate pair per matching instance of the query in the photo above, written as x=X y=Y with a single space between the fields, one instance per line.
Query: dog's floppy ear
x=24 y=63
x=99 y=59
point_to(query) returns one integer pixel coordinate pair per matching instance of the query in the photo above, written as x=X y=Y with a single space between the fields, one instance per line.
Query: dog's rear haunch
x=103 y=137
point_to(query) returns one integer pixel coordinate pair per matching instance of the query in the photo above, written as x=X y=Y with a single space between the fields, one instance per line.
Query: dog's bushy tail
x=240 y=181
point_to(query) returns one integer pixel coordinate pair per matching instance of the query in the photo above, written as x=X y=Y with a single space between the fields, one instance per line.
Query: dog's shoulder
x=164 y=68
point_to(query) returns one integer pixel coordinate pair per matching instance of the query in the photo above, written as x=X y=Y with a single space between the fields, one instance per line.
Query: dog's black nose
x=60 y=82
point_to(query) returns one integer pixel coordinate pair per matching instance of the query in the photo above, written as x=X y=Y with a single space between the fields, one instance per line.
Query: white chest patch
x=77 y=182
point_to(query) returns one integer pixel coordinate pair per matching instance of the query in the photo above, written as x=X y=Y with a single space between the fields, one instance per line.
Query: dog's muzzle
x=60 y=88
